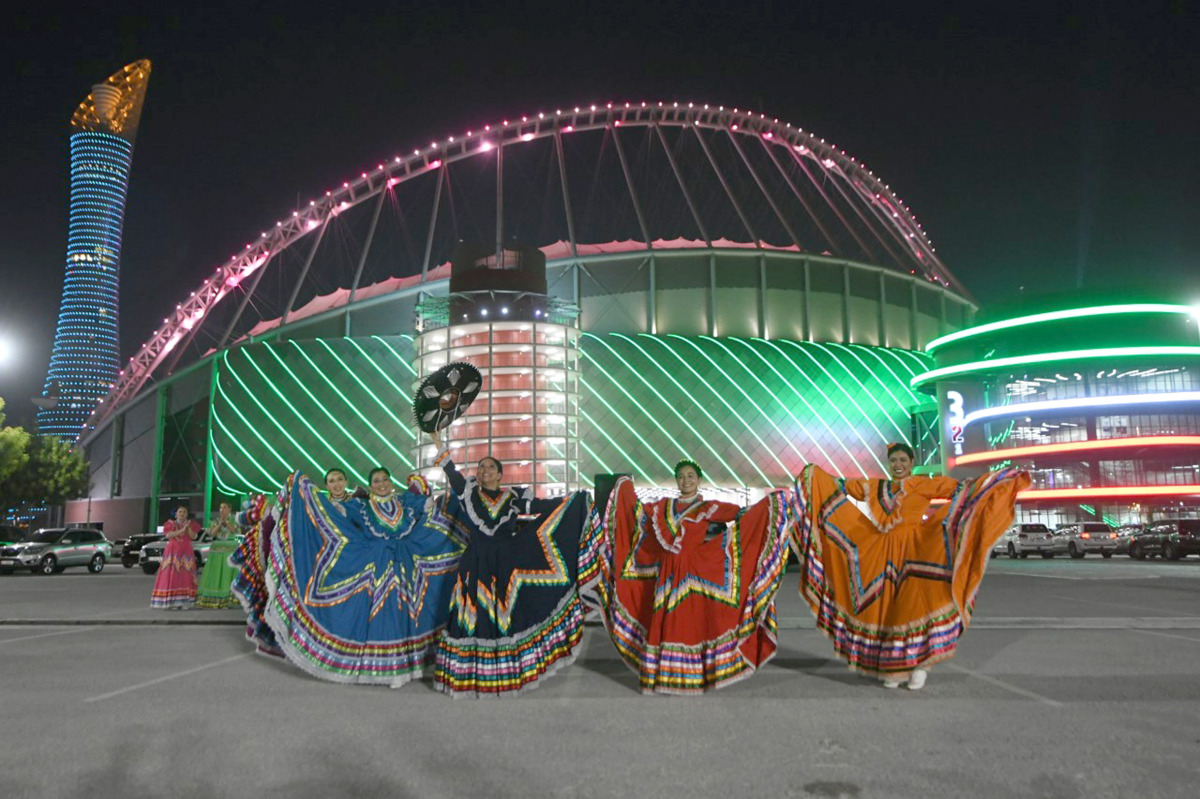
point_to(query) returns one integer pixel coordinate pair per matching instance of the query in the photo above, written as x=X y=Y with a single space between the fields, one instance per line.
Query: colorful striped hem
x=311 y=648
x=481 y=667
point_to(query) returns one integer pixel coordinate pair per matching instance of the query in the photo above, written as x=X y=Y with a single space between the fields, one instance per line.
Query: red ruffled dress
x=691 y=610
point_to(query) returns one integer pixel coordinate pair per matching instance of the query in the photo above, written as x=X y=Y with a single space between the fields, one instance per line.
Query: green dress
x=218 y=574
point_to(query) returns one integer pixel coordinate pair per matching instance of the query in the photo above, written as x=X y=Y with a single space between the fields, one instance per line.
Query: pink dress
x=175 y=584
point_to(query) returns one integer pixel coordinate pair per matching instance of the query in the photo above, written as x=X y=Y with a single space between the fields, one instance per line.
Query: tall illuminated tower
x=84 y=362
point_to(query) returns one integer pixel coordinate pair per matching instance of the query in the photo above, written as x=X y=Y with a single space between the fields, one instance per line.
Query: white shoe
x=891 y=684
x=917 y=681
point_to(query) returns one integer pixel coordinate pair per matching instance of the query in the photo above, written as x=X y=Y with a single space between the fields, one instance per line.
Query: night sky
x=1047 y=147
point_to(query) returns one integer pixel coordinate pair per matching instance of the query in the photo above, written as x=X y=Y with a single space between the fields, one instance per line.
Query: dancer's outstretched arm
x=458 y=483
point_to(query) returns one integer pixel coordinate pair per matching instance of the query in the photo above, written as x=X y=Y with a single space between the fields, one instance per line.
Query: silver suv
x=1079 y=539
x=1021 y=539
x=50 y=550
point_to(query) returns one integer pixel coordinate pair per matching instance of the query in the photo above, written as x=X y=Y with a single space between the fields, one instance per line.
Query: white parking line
x=1104 y=602
x=46 y=635
x=1169 y=635
x=1045 y=700
x=1045 y=576
x=174 y=676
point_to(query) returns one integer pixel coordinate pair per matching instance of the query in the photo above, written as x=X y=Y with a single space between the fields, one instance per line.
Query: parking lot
x=1078 y=678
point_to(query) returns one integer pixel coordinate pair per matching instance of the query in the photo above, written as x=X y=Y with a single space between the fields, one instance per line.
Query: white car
x=1079 y=539
x=151 y=554
x=1021 y=539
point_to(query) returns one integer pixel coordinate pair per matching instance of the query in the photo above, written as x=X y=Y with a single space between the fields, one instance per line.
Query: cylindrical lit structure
x=527 y=414
x=84 y=361
x=499 y=318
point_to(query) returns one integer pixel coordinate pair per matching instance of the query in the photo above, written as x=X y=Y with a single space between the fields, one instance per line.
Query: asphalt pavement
x=1076 y=679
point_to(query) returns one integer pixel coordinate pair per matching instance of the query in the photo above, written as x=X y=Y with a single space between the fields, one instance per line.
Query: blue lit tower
x=84 y=362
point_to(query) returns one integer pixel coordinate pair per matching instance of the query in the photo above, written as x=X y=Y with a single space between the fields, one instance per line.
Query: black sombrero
x=445 y=395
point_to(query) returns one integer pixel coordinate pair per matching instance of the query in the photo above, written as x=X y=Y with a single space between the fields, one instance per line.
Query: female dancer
x=892 y=588
x=335 y=484
x=515 y=612
x=175 y=583
x=250 y=586
x=250 y=583
x=357 y=590
x=215 y=582
x=688 y=590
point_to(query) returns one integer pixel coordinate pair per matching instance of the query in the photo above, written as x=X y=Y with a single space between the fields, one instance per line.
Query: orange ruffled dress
x=891 y=584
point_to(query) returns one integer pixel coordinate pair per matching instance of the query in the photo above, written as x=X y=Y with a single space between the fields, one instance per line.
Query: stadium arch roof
x=576 y=181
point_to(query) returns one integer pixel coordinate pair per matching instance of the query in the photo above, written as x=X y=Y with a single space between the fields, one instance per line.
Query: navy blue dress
x=515 y=613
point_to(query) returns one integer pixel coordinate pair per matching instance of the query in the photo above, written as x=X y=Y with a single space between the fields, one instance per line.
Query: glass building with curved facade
x=1100 y=403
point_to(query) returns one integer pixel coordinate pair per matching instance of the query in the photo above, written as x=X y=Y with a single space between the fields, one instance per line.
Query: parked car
x=11 y=534
x=1171 y=538
x=1021 y=539
x=1126 y=533
x=151 y=554
x=1083 y=537
x=50 y=550
x=133 y=547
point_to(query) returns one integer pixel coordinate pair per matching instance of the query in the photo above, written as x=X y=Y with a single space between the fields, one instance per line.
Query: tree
x=14 y=446
x=54 y=473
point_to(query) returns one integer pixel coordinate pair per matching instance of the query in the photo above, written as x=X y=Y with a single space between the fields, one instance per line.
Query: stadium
x=730 y=287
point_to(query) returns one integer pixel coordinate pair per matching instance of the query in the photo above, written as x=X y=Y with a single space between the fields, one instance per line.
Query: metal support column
x=913 y=344
x=712 y=293
x=116 y=455
x=883 y=339
x=362 y=259
x=500 y=200
x=209 y=450
x=845 y=303
x=258 y=275
x=687 y=196
x=803 y=202
x=807 y=300
x=562 y=176
x=287 y=310
x=437 y=203
x=534 y=438
x=762 y=295
x=161 y=398
x=652 y=298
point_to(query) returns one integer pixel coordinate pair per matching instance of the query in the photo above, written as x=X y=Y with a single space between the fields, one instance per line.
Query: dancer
x=688 y=591
x=335 y=484
x=357 y=590
x=892 y=588
x=250 y=560
x=175 y=583
x=218 y=576
x=515 y=612
x=249 y=586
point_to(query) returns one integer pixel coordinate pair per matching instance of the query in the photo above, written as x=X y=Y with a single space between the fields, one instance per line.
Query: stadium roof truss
x=784 y=172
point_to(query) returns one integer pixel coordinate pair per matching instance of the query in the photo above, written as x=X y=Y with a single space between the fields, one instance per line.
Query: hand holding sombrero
x=445 y=395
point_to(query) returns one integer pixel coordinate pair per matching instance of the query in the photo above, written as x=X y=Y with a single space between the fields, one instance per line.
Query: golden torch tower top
x=115 y=106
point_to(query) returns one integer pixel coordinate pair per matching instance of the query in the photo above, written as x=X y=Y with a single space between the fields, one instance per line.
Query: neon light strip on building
x=1080 y=403
x=1108 y=492
x=1016 y=453
x=1051 y=357
x=1056 y=316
